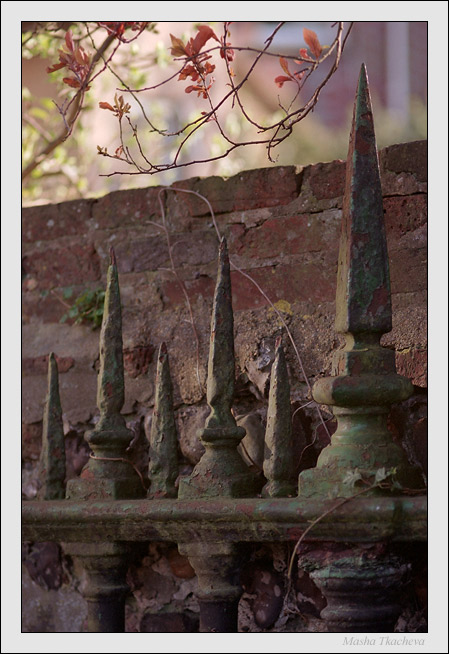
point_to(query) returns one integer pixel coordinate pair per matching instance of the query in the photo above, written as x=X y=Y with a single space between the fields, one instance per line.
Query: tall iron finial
x=365 y=382
x=108 y=473
x=221 y=365
x=52 y=459
x=163 y=467
x=363 y=282
x=221 y=470
x=278 y=465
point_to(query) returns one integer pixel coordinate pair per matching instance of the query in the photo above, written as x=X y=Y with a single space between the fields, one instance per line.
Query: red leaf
x=69 y=40
x=71 y=81
x=312 y=41
x=106 y=105
x=204 y=34
x=51 y=69
x=81 y=57
x=304 y=54
x=284 y=66
x=281 y=79
x=178 y=48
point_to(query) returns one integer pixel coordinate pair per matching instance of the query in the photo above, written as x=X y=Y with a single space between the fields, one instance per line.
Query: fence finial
x=109 y=473
x=163 y=467
x=221 y=471
x=52 y=460
x=365 y=382
x=278 y=465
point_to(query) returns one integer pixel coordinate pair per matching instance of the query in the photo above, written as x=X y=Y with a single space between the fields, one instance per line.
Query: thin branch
x=69 y=122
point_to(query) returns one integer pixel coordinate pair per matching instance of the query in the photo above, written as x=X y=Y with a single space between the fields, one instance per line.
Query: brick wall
x=282 y=225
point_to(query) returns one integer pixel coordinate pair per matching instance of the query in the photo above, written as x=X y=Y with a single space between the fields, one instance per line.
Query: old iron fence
x=222 y=505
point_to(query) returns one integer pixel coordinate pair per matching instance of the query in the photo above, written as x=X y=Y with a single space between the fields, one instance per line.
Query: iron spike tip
x=51 y=356
x=223 y=254
x=113 y=260
x=278 y=342
x=163 y=348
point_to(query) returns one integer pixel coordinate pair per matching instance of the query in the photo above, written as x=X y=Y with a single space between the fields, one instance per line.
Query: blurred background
x=395 y=54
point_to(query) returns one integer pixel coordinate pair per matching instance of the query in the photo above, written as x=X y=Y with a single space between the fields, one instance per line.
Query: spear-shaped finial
x=221 y=365
x=163 y=467
x=109 y=473
x=112 y=258
x=221 y=470
x=52 y=460
x=365 y=382
x=111 y=385
x=278 y=465
x=363 y=282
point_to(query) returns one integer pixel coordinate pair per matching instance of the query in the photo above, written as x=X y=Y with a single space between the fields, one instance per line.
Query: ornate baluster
x=163 y=467
x=278 y=464
x=221 y=470
x=107 y=475
x=360 y=584
x=52 y=459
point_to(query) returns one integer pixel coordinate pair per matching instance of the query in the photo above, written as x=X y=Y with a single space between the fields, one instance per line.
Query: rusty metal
x=52 y=459
x=278 y=465
x=373 y=519
x=361 y=590
x=221 y=470
x=108 y=473
x=365 y=383
x=219 y=508
x=163 y=454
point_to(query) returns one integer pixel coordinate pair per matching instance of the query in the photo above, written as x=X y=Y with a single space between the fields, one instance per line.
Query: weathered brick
x=307 y=281
x=47 y=309
x=194 y=248
x=137 y=360
x=303 y=281
x=406 y=158
x=39 y=365
x=327 y=180
x=251 y=189
x=62 y=265
x=145 y=253
x=77 y=341
x=408 y=270
x=50 y=221
x=289 y=235
x=179 y=564
x=404 y=214
x=202 y=286
x=31 y=441
x=120 y=208
x=78 y=393
x=412 y=364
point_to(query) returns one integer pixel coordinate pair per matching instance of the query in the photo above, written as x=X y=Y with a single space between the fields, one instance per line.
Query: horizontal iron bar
x=234 y=520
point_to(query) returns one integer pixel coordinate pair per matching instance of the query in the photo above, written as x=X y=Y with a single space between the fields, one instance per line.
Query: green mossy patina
x=278 y=465
x=363 y=520
x=221 y=470
x=52 y=459
x=108 y=474
x=163 y=466
x=365 y=382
